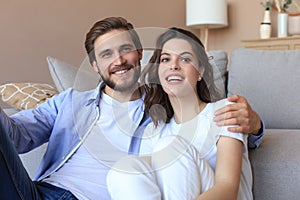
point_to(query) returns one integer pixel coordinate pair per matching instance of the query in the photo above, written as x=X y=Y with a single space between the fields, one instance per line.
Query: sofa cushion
x=275 y=165
x=26 y=95
x=270 y=81
x=32 y=159
x=218 y=59
x=64 y=75
x=11 y=111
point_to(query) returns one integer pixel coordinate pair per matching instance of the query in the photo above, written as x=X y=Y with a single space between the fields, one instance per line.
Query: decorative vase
x=265 y=30
x=282 y=23
x=294 y=25
x=265 y=26
x=267 y=18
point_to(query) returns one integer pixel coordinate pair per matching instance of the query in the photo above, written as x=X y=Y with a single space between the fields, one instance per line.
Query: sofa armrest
x=32 y=159
x=10 y=111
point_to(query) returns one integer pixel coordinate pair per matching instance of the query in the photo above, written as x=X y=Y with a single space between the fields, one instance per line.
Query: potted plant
x=267 y=5
x=282 y=5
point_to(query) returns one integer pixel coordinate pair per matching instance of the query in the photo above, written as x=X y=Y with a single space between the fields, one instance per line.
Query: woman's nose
x=174 y=66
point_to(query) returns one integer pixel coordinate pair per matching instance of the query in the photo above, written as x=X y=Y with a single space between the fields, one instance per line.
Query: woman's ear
x=201 y=72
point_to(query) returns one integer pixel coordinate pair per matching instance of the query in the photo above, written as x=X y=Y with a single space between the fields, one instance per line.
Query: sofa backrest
x=219 y=60
x=270 y=80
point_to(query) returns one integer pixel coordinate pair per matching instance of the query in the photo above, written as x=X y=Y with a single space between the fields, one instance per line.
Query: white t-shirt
x=84 y=174
x=203 y=133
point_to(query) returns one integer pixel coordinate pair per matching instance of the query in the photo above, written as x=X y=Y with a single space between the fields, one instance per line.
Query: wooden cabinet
x=285 y=43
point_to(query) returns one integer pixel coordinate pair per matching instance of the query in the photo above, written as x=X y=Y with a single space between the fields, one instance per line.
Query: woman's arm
x=228 y=170
x=243 y=117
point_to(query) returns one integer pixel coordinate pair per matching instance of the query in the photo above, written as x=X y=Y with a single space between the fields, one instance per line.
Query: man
x=87 y=132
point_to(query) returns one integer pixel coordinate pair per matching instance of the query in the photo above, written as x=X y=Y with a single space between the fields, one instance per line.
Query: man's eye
x=105 y=55
x=127 y=49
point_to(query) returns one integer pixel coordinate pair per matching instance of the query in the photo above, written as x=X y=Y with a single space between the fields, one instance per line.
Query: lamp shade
x=206 y=13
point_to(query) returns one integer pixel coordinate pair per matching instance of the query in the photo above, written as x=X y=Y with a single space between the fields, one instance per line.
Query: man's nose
x=119 y=60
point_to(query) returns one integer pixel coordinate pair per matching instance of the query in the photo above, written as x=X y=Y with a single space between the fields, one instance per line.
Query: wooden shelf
x=284 y=43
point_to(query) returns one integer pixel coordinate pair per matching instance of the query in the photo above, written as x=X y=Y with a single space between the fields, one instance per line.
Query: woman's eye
x=186 y=59
x=164 y=60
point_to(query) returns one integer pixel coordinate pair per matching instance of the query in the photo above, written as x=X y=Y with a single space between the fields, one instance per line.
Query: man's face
x=117 y=60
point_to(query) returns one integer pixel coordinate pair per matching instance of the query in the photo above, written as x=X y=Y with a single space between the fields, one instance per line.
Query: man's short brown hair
x=104 y=26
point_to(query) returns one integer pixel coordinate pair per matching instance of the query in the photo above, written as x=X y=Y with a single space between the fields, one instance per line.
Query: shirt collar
x=96 y=94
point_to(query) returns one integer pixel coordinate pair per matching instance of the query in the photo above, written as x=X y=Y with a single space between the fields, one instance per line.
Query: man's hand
x=240 y=114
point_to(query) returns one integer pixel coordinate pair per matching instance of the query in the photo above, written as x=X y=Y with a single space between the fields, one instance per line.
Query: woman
x=190 y=156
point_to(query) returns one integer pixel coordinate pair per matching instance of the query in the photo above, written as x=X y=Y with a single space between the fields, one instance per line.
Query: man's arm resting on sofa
x=242 y=118
x=254 y=139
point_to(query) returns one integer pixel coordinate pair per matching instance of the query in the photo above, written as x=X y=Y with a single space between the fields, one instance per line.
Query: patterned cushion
x=26 y=95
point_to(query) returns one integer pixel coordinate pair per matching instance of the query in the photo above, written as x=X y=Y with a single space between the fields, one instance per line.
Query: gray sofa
x=270 y=81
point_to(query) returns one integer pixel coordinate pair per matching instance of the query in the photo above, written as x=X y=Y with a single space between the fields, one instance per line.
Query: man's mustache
x=121 y=67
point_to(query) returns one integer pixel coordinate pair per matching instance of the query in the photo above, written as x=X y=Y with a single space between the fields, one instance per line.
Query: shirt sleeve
x=255 y=140
x=238 y=136
x=223 y=129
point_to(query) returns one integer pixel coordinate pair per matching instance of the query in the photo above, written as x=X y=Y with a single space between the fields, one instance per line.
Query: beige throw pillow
x=26 y=95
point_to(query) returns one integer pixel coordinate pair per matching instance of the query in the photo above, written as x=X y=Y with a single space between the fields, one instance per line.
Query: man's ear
x=95 y=67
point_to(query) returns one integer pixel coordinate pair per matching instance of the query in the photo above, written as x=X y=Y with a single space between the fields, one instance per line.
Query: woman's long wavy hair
x=155 y=95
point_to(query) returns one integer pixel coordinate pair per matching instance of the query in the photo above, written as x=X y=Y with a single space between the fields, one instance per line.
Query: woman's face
x=178 y=70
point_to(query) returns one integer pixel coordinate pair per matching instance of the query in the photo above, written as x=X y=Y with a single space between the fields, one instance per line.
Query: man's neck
x=123 y=96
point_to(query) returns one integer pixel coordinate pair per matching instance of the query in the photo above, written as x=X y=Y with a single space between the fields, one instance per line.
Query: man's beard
x=123 y=87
